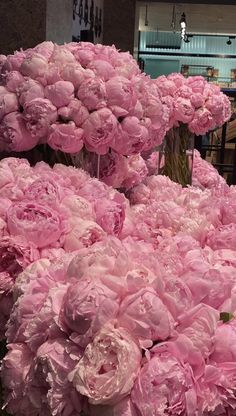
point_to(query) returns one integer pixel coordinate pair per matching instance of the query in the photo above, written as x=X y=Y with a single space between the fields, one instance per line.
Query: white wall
x=77 y=26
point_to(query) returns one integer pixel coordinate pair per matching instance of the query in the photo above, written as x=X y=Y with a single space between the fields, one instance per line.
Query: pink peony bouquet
x=195 y=102
x=77 y=95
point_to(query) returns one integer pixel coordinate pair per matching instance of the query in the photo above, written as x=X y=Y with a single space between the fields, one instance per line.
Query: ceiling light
x=229 y=42
x=183 y=26
x=146 y=16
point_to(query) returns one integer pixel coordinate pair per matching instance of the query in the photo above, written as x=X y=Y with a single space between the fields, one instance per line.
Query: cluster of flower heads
x=78 y=94
x=128 y=308
x=194 y=101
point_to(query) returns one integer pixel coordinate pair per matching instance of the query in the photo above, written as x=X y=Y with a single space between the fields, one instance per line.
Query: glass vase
x=176 y=155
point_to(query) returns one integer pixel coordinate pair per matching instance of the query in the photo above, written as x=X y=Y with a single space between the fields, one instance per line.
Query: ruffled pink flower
x=39 y=114
x=110 y=215
x=30 y=90
x=13 y=62
x=14 y=135
x=222 y=237
x=87 y=306
x=202 y=122
x=60 y=93
x=78 y=207
x=103 y=69
x=100 y=130
x=75 y=111
x=34 y=66
x=40 y=225
x=131 y=138
x=45 y=190
x=197 y=84
x=224 y=343
x=197 y=100
x=146 y=317
x=13 y=80
x=164 y=385
x=83 y=234
x=112 y=169
x=101 y=374
x=8 y=104
x=121 y=96
x=184 y=110
x=45 y=49
x=62 y=56
x=166 y=86
x=136 y=171
x=66 y=137
x=92 y=93
x=74 y=73
x=177 y=78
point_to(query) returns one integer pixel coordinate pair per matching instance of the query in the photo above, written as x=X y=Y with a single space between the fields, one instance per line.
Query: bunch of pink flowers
x=119 y=309
x=76 y=95
x=194 y=101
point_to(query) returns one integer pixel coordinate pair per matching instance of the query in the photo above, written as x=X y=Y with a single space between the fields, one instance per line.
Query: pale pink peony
x=45 y=190
x=45 y=49
x=146 y=317
x=196 y=83
x=83 y=234
x=60 y=93
x=100 y=130
x=136 y=171
x=164 y=385
x=14 y=135
x=222 y=237
x=78 y=207
x=39 y=224
x=110 y=215
x=39 y=114
x=13 y=62
x=87 y=306
x=121 y=97
x=101 y=374
x=62 y=56
x=34 y=66
x=66 y=137
x=73 y=73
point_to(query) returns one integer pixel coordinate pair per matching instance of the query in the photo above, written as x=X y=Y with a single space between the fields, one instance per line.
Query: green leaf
x=226 y=317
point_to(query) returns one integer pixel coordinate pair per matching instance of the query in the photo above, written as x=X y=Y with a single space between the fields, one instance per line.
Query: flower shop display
x=125 y=312
x=197 y=108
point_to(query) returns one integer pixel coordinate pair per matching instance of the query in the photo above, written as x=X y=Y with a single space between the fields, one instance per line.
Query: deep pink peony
x=39 y=224
x=8 y=104
x=66 y=137
x=101 y=374
x=39 y=114
x=75 y=111
x=14 y=136
x=131 y=137
x=100 y=130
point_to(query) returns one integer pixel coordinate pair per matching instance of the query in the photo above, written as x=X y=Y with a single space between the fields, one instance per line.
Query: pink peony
x=136 y=171
x=83 y=234
x=197 y=84
x=100 y=130
x=131 y=137
x=92 y=93
x=110 y=215
x=183 y=110
x=39 y=114
x=121 y=97
x=87 y=306
x=34 y=66
x=60 y=93
x=112 y=169
x=73 y=73
x=224 y=343
x=13 y=80
x=75 y=111
x=222 y=237
x=145 y=316
x=14 y=135
x=66 y=137
x=39 y=224
x=101 y=374
x=29 y=90
x=202 y=122
x=44 y=190
x=8 y=104
x=103 y=69
x=164 y=385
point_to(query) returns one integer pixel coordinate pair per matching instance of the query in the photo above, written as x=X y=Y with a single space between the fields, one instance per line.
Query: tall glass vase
x=176 y=155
